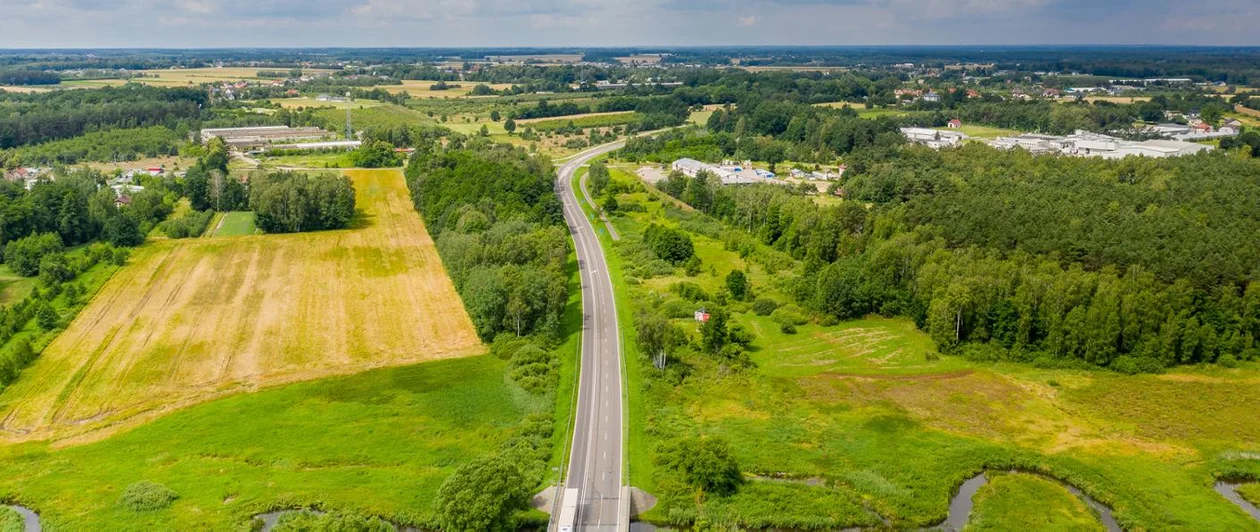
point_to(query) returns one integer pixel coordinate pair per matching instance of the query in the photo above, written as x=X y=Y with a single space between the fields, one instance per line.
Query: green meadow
x=379 y=443
x=865 y=422
x=236 y=224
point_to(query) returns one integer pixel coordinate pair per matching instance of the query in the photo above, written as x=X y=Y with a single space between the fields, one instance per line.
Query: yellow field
x=293 y=103
x=195 y=76
x=190 y=320
x=26 y=89
x=1118 y=99
x=420 y=88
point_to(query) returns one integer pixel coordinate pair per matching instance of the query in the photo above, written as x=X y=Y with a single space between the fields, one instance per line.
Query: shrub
x=1227 y=361
x=23 y=255
x=190 y=225
x=484 y=494
x=764 y=306
x=706 y=464
x=119 y=256
x=689 y=291
x=788 y=315
x=54 y=269
x=1130 y=365
x=787 y=328
x=668 y=244
x=145 y=496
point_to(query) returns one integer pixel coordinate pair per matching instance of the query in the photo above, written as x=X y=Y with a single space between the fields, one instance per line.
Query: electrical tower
x=349 y=124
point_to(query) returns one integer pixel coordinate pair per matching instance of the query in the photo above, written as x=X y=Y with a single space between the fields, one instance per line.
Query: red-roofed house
x=955 y=123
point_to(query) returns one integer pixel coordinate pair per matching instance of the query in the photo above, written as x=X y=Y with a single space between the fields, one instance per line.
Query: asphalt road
x=595 y=459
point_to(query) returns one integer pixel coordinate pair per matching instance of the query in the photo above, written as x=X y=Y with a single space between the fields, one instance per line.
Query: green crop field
x=888 y=428
x=581 y=121
x=380 y=443
x=236 y=224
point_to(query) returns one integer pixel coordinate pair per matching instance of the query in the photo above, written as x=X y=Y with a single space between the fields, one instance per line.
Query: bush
x=145 y=496
x=190 y=225
x=54 y=269
x=119 y=256
x=706 y=464
x=787 y=328
x=678 y=309
x=788 y=315
x=764 y=307
x=46 y=317
x=668 y=244
x=484 y=494
x=23 y=255
x=689 y=291
x=1227 y=361
x=1131 y=365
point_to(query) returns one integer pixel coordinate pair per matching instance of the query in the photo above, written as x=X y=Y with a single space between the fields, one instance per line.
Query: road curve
x=595 y=458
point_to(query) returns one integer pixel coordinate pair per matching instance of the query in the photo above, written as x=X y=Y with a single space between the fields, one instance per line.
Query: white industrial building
x=933 y=138
x=729 y=175
x=1087 y=144
x=263 y=135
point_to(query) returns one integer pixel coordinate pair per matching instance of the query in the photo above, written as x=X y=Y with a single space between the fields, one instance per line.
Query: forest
x=499 y=228
x=1135 y=265
x=41 y=117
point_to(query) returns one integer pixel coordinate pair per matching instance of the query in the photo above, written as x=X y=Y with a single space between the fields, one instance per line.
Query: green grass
x=236 y=224
x=599 y=120
x=1020 y=501
x=311 y=160
x=379 y=443
x=11 y=521
x=90 y=281
x=892 y=427
x=380 y=116
x=1250 y=492
x=14 y=287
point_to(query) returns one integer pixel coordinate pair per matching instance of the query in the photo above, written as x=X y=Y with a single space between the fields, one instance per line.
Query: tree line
x=499 y=229
x=41 y=117
x=1134 y=265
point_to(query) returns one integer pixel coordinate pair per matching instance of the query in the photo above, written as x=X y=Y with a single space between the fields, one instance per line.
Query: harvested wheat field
x=186 y=321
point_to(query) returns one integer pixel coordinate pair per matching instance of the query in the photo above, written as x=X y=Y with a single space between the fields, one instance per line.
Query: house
x=155 y=170
x=1233 y=122
x=798 y=173
x=122 y=201
x=931 y=97
x=955 y=123
x=1203 y=127
x=702 y=316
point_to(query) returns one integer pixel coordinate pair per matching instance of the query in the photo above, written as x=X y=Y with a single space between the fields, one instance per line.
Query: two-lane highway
x=595 y=459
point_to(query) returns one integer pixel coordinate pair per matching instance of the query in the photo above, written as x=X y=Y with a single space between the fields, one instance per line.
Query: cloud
x=198 y=23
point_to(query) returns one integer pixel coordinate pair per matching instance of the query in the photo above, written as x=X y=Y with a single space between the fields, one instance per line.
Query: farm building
x=933 y=138
x=263 y=135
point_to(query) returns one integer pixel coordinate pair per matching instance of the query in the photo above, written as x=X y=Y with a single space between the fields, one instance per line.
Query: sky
x=592 y=23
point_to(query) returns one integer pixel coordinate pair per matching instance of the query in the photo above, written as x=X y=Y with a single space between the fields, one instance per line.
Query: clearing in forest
x=189 y=320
